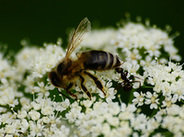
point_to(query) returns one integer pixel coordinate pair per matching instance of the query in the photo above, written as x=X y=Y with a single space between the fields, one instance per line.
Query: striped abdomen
x=100 y=60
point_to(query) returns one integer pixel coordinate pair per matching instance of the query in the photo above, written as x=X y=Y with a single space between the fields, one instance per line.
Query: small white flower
x=36 y=105
x=168 y=101
x=113 y=108
x=114 y=121
x=47 y=110
x=106 y=129
x=87 y=103
x=46 y=119
x=34 y=115
x=139 y=122
x=131 y=67
x=152 y=100
x=139 y=98
x=66 y=103
x=102 y=38
x=24 y=125
x=22 y=114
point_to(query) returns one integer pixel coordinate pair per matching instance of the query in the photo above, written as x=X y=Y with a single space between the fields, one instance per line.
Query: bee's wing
x=77 y=36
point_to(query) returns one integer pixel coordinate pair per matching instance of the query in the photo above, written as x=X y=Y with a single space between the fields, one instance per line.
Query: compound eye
x=55 y=80
x=60 y=68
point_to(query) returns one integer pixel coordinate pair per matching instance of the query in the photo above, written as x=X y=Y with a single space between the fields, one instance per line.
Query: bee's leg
x=84 y=88
x=69 y=92
x=97 y=82
x=62 y=94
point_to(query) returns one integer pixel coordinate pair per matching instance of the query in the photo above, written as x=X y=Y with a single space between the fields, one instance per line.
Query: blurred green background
x=45 y=21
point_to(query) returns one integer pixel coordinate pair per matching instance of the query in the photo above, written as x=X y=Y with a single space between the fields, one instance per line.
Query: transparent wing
x=76 y=37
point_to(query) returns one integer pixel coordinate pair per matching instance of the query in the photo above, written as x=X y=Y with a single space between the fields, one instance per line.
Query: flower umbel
x=31 y=106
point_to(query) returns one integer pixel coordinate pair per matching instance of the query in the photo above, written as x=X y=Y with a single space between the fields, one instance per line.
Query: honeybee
x=65 y=73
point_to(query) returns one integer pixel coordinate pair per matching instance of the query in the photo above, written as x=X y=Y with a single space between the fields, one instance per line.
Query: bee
x=65 y=73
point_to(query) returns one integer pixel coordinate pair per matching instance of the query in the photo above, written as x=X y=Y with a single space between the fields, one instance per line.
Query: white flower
x=166 y=79
x=139 y=98
x=134 y=35
x=47 y=110
x=46 y=59
x=24 y=125
x=168 y=101
x=131 y=67
x=8 y=95
x=114 y=121
x=74 y=113
x=34 y=115
x=106 y=129
x=139 y=122
x=22 y=114
x=114 y=108
x=65 y=103
x=99 y=38
x=25 y=58
x=152 y=124
x=46 y=119
x=147 y=62
x=127 y=112
x=152 y=99
x=35 y=128
x=36 y=105
x=124 y=129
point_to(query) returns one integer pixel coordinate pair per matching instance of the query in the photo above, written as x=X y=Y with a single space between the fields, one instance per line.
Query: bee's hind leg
x=84 y=88
x=97 y=82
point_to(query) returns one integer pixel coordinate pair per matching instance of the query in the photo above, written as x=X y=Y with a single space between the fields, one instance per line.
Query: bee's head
x=62 y=67
x=55 y=79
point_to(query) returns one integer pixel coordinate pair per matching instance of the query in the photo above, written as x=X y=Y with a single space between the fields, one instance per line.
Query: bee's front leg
x=69 y=92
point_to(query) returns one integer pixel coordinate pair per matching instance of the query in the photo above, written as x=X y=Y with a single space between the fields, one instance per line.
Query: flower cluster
x=31 y=106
